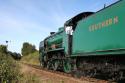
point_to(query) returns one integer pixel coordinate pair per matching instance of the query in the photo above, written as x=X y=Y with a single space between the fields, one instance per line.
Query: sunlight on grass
x=31 y=58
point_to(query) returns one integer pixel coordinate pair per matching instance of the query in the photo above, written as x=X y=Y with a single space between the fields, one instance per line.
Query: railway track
x=90 y=80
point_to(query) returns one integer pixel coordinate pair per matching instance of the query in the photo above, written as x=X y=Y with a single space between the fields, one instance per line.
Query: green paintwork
x=56 y=38
x=93 y=36
x=67 y=66
x=58 y=49
x=65 y=43
x=104 y=38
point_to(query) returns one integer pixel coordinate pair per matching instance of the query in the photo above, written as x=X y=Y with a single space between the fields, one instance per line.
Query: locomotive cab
x=70 y=27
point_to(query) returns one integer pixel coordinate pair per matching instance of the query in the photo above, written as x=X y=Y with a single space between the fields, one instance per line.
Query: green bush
x=3 y=49
x=15 y=55
x=27 y=48
x=9 y=71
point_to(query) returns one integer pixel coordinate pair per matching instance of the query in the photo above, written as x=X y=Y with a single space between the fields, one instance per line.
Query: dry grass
x=31 y=58
x=29 y=78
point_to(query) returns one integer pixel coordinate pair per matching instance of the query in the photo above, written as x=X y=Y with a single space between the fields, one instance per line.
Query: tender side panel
x=105 y=30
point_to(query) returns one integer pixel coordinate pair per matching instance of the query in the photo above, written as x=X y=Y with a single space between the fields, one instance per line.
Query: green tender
x=101 y=32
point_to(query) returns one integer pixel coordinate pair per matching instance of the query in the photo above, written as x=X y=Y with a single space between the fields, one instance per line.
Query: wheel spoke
x=66 y=66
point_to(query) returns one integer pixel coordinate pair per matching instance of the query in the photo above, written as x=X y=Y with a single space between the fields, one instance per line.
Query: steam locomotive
x=89 y=44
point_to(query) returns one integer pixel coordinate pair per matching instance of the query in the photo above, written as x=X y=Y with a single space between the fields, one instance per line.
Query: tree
x=16 y=56
x=3 y=49
x=27 y=48
x=9 y=70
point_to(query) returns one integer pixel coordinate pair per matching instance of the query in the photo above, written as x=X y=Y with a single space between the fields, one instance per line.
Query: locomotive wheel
x=77 y=74
x=91 y=73
x=42 y=65
x=55 y=65
x=66 y=66
x=49 y=65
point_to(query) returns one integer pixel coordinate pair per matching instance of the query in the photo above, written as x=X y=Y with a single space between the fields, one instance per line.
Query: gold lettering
x=110 y=21
x=100 y=25
x=115 y=20
x=95 y=27
x=92 y=27
x=107 y=22
x=104 y=23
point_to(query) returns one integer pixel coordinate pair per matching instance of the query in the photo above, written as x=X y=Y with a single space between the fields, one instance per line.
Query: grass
x=32 y=58
x=29 y=78
x=10 y=69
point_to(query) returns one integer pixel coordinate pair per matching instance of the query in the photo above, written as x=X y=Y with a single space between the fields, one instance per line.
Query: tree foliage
x=16 y=56
x=9 y=72
x=27 y=48
x=3 y=49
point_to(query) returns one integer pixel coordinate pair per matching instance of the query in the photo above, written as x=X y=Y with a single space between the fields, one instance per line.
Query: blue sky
x=33 y=20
